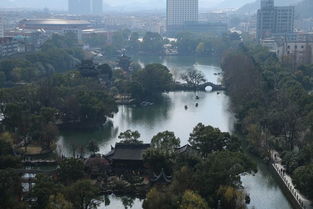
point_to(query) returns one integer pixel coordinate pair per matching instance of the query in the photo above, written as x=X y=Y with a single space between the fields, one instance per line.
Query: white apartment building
x=1 y=27
x=274 y=20
x=295 y=49
x=180 y=12
x=296 y=53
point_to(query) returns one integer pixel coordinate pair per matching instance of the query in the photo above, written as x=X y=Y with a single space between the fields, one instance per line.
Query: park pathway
x=302 y=202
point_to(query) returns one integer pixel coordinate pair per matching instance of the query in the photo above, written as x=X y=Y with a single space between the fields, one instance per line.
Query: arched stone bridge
x=215 y=87
x=201 y=87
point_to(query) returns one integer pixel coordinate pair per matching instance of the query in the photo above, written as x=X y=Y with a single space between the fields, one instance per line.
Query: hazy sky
x=131 y=4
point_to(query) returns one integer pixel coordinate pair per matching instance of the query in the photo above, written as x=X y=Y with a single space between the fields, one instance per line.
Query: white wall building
x=295 y=49
x=296 y=53
x=1 y=27
x=272 y=19
x=179 y=12
x=97 y=7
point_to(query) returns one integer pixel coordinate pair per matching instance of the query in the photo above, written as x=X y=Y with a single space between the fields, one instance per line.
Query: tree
x=105 y=71
x=43 y=189
x=303 y=179
x=71 y=170
x=207 y=139
x=231 y=198
x=193 y=78
x=10 y=189
x=128 y=202
x=186 y=43
x=154 y=79
x=58 y=201
x=93 y=147
x=49 y=134
x=220 y=168
x=124 y=62
x=165 y=141
x=153 y=44
x=130 y=137
x=83 y=194
x=134 y=43
x=88 y=69
x=158 y=160
x=7 y=159
x=2 y=79
x=160 y=199
x=192 y=200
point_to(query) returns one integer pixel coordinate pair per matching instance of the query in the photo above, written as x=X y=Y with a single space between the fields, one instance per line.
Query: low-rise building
x=8 y=46
x=60 y=26
x=296 y=52
x=128 y=156
x=293 y=48
x=201 y=27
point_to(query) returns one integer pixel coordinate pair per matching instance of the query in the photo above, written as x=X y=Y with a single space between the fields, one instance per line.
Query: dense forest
x=57 y=88
x=273 y=105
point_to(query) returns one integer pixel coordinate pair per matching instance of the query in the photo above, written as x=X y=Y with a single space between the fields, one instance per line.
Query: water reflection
x=113 y=202
x=264 y=190
x=168 y=114
x=171 y=115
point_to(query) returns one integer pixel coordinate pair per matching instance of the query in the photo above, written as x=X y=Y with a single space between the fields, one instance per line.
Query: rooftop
x=128 y=151
x=53 y=22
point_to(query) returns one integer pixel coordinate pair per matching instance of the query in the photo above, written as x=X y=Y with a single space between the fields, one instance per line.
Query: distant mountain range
x=232 y=3
x=119 y=4
x=305 y=8
x=302 y=6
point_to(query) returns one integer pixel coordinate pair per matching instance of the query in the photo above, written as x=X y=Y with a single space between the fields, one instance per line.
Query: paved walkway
x=281 y=170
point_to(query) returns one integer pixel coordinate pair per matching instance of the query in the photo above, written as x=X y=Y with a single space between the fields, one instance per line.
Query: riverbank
x=170 y=114
x=295 y=197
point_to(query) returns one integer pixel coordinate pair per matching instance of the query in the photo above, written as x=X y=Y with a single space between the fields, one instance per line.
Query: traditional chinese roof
x=97 y=161
x=162 y=177
x=186 y=149
x=128 y=152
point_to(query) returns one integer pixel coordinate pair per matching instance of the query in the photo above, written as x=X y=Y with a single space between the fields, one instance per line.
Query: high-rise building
x=74 y=6
x=1 y=28
x=85 y=7
x=81 y=7
x=267 y=4
x=97 y=7
x=180 y=12
x=274 y=20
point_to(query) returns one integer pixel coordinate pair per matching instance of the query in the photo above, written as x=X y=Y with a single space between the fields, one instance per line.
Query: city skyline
x=118 y=4
x=85 y=7
x=273 y=19
x=180 y=12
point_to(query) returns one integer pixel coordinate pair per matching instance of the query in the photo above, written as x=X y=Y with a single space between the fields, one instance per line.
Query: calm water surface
x=170 y=114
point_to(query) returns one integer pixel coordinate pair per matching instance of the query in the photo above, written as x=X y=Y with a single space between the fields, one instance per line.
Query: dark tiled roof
x=186 y=149
x=128 y=151
x=90 y=162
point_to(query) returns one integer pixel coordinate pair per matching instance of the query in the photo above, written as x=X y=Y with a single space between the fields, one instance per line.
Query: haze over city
x=118 y=4
x=156 y=104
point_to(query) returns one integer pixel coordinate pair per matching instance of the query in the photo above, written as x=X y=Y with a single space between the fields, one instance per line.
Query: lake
x=170 y=114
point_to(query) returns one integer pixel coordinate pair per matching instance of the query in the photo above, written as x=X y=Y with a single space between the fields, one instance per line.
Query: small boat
x=197 y=97
x=217 y=93
x=186 y=107
x=197 y=104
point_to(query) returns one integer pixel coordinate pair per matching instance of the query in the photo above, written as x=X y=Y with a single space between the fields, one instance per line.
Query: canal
x=170 y=114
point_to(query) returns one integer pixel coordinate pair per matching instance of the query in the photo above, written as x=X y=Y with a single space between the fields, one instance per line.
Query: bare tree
x=193 y=78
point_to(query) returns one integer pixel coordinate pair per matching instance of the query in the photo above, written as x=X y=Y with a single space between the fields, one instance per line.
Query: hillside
x=232 y=3
x=251 y=8
x=304 y=9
